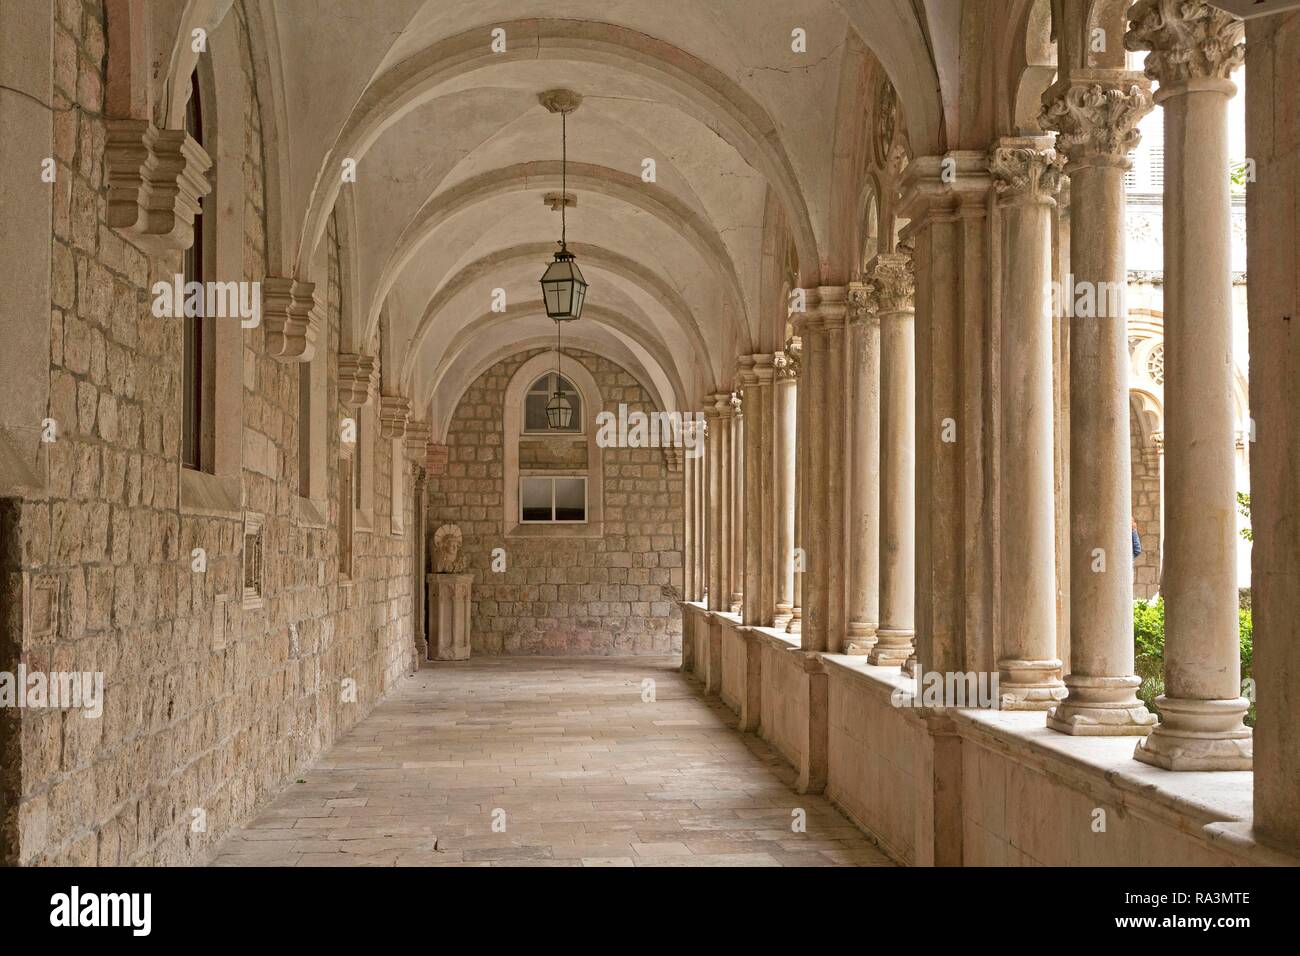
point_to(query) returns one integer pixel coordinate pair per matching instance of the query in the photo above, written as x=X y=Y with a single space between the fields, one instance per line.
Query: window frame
x=578 y=408
x=553 y=478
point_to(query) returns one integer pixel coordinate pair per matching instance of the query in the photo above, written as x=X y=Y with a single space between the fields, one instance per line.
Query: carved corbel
x=357 y=375
x=156 y=178
x=291 y=318
x=394 y=410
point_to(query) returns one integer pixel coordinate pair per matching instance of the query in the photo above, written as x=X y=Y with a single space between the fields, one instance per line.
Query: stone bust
x=447 y=558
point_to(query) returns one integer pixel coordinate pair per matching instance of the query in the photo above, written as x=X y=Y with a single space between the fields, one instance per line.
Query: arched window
x=553 y=476
x=538 y=398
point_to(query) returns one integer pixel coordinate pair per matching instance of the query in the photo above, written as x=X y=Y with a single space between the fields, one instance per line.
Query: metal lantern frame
x=564 y=290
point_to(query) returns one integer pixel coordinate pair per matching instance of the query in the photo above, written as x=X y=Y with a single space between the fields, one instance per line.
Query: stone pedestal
x=449 y=597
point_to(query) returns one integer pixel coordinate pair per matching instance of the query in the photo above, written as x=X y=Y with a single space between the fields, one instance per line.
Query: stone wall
x=1146 y=509
x=565 y=594
x=209 y=706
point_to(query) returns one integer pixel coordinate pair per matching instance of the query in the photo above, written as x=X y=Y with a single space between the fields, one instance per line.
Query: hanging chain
x=564 y=174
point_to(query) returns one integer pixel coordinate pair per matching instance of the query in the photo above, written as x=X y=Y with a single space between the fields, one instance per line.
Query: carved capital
x=156 y=178
x=1024 y=173
x=787 y=362
x=864 y=306
x=737 y=402
x=291 y=318
x=1096 y=122
x=1188 y=40
x=357 y=374
x=892 y=282
x=394 y=410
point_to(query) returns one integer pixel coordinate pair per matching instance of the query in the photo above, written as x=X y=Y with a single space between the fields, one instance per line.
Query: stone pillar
x=1194 y=47
x=893 y=286
x=701 y=509
x=756 y=380
x=689 y=532
x=726 y=495
x=785 y=407
x=737 y=488
x=713 y=455
x=763 y=534
x=822 y=471
x=1027 y=174
x=1272 y=50
x=864 y=470
x=1096 y=115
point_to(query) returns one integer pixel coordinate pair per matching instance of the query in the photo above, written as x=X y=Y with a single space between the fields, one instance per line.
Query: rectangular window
x=253 y=560
x=345 y=516
x=561 y=500
x=192 y=384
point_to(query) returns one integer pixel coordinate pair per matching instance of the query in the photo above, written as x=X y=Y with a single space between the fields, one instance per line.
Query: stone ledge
x=219 y=496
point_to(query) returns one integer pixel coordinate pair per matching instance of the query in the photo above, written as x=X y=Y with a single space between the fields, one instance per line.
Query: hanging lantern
x=559 y=411
x=563 y=288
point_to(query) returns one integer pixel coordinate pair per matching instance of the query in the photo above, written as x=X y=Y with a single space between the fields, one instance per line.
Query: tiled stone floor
x=587 y=774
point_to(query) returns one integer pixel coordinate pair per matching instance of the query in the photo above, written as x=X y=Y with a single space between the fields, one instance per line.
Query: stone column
x=893 y=286
x=763 y=533
x=1026 y=176
x=726 y=495
x=690 y=535
x=864 y=470
x=713 y=454
x=1096 y=115
x=738 y=490
x=812 y=466
x=701 y=508
x=756 y=378
x=1194 y=48
x=832 y=311
x=785 y=409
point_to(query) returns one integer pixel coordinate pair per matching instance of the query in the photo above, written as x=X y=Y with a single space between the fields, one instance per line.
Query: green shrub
x=1149 y=651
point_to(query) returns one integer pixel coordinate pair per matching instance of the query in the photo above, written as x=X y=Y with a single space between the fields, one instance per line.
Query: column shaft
x=1194 y=49
x=1026 y=176
x=1098 y=126
x=864 y=472
x=785 y=407
x=738 y=488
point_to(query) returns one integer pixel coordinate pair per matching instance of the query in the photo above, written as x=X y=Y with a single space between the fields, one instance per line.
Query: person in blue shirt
x=1137 y=542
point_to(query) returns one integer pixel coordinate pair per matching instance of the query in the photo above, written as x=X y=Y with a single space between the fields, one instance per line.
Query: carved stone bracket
x=156 y=178
x=417 y=438
x=394 y=410
x=357 y=375
x=291 y=318
x=863 y=304
x=1096 y=121
x=1188 y=40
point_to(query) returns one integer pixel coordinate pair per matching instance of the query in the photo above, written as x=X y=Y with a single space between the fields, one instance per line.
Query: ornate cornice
x=1188 y=40
x=291 y=318
x=1025 y=173
x=1096 y=122
x=892 y=282
x=394 y=410
x=356 y=377
x=155 y=180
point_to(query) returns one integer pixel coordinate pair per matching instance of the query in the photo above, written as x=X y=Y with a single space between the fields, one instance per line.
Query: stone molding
x=1188 y=40
x=892 y=282
x=394 y=411
x=291 y=318
x=1096 y=119
x=417 y=437
x=864 y=307
x=156 y=178
x=357 y=374
x=1025 y=171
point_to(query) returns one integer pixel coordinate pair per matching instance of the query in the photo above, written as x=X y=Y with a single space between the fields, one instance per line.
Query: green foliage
x=1149 y=650
x=1243 y=506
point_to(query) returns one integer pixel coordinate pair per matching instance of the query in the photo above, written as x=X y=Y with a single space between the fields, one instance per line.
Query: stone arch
x=612 y=261
x=206 y=15
x=545 y=175
x=607 y=318
x=1034 y=65
x=696 y=87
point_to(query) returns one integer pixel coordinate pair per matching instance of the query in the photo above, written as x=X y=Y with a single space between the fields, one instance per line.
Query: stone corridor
x=588 y=774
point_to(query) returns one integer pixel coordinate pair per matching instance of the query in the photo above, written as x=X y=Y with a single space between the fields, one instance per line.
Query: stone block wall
x=566 y=594
x=1146 y=509
x=209 y=707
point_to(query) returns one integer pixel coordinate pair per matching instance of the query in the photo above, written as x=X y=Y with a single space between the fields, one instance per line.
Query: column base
x=1030 y=685
x=1102 y=707
x=893 y=646
x=910 y=665
x=1199 y=735
x=795 y=623
x=737 y=602
x=860 y=639
x=782 y=616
